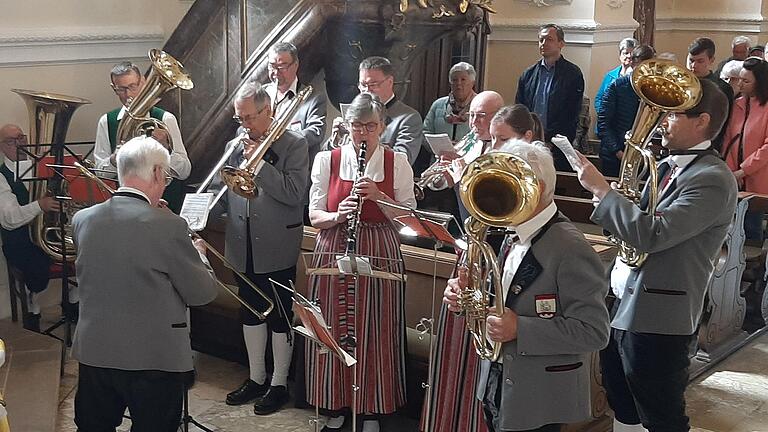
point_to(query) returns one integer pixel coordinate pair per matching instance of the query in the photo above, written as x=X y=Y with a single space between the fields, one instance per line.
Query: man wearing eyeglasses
x=309 y=120
x=127 y=81
x=659 y=303
x=403 y=129
x=16 y=214
x=553 y=88
x=263 y=239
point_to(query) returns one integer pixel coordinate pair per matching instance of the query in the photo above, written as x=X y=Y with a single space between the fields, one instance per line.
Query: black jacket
x=616 y=116
x=565 y=97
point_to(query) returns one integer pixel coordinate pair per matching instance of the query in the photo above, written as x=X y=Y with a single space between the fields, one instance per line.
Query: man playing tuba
x=127 y=81
x=554 y=316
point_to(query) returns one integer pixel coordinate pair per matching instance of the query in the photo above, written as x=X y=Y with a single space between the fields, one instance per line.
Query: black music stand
x=432 y=226
x=315 y=329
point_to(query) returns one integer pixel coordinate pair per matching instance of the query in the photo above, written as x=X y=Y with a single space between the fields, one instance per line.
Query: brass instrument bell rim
x=170 y=69
x=672 y=73
x=43 y=96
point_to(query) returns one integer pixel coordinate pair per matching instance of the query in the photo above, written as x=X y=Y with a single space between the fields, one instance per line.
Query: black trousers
x=33 y=263
x=492 y=403
x=280 y=318
x=154 y=399
x=645 y=376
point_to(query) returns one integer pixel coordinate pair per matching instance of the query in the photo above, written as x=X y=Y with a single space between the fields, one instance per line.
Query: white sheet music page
x=439 y=143
x=195 y=209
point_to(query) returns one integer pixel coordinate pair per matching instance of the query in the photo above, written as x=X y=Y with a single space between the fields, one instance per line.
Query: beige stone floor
x=731 y=398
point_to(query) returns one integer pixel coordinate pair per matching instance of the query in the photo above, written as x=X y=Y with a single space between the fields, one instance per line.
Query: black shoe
x=247 y=392
x=72 y=312
x=276 y=397
x=31 y=322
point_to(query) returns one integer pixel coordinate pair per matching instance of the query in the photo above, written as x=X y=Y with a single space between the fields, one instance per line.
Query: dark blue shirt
x=543 y=87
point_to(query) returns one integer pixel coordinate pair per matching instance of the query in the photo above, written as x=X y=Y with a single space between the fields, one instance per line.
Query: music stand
x=315 y=329
x=354 y=265
x=433 y=226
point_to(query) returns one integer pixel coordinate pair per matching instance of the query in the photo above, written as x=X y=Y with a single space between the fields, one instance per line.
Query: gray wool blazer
x=403 y=132
x=137 y=272
x=683 y=239
x=276 y=214
x=547 y=368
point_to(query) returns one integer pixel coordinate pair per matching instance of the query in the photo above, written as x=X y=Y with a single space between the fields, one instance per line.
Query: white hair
x=667 y=56
x=463 y=67
x=731 y=69
x=139 y=157
x=741 y=40
x=539 y=158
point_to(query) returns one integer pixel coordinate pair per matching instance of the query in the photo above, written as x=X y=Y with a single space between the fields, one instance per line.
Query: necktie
x=671 y=167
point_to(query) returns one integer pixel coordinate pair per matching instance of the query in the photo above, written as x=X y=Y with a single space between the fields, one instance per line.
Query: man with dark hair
x=127 y=81
x=553 y=88
x=617 y=114
x=659 y=302
x=701 y=58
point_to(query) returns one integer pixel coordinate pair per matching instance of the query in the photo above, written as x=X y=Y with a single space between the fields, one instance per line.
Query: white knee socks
x=256 y=343
x=281 y=353
x=621 y=427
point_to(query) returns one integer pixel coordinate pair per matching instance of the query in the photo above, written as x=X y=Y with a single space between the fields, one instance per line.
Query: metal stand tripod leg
x=187 y=419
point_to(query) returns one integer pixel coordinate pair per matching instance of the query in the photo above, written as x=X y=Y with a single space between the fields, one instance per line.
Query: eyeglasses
x=369 y=127
x=674 y=115
x=478 y=115
x=370 y=85
x=122 y=90
x=279 y=67
x=16 y=140
x=249 y=117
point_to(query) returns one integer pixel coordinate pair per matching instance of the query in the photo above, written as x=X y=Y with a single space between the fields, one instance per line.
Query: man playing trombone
x=263 y=240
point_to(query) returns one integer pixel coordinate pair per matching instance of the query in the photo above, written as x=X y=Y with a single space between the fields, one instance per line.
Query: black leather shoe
x=273 y=400
x=247 y=392
x=31 y=322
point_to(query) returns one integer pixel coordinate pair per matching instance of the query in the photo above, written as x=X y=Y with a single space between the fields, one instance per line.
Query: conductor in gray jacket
x=554 y=317
x=137 y=272
x=659 y=304
x=263 y=239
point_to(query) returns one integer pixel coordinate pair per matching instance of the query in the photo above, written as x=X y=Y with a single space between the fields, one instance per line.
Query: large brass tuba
x=498 y=190
x=166 y=74
x=663 y=87
x=240 y=179
x=49 y=117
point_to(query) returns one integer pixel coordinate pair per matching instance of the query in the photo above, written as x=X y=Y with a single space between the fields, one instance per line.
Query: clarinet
x=354 y=221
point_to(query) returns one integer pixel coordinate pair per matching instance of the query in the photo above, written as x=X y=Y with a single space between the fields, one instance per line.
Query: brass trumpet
x=261 y=314
x=435 y=172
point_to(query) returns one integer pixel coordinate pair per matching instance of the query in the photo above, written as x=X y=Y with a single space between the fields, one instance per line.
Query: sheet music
x=565 y=146
x=315 y=328
x=440 y=143
x=195 y=209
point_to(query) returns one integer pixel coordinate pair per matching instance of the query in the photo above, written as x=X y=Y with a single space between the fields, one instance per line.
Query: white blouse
x=321 y=175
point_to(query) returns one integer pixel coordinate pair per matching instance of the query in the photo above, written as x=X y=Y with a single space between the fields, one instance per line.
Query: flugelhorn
x=261 y=314
x=498 y=190
x=241 y=179
x=434 y=173
x=663 y=86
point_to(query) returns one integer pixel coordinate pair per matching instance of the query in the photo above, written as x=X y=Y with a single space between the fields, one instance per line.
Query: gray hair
x=667 y=56
x=539 y=158
x=378 y=63
x=139 y=157
x=462 y=67
x=731 y=69
x=253 y=90
x=365 y=106
x=123 y=68
x=285 y=47
x=741 y=40
x=628 y=44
